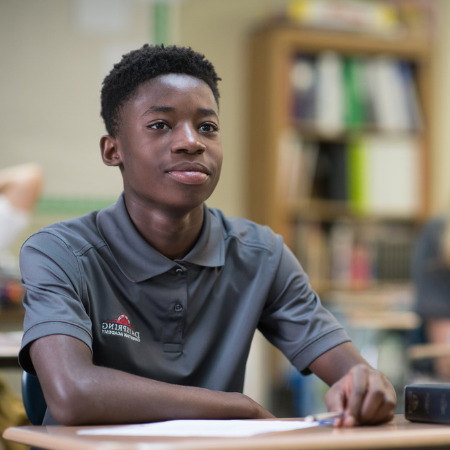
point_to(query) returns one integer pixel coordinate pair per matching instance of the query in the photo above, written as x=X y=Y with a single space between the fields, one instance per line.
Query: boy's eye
x=158 y=126
x=208 y=127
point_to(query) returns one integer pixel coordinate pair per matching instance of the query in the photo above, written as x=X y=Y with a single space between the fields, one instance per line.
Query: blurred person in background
x=431 y=274
x=20 y=187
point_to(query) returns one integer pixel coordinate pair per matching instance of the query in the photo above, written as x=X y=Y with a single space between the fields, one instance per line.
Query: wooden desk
x=397 y=434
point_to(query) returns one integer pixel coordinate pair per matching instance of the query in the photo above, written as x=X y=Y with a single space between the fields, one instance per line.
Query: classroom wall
x=440 y=163
x=53 y=62
x=50 y=82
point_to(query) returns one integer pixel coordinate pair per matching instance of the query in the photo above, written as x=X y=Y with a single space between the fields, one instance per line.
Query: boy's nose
x=187 y=140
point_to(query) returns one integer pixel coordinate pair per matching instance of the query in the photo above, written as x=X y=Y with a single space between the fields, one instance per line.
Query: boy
x=145 y=310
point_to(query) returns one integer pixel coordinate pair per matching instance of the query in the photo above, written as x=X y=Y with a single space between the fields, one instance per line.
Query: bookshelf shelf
x=311 y=39
x=325 y=210
x=311 y=132
x=322 y=287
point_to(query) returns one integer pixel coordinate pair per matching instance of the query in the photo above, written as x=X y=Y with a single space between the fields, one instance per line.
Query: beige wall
x=50 y=81
x=51 y=76
x=440 y=163
x=51 y=72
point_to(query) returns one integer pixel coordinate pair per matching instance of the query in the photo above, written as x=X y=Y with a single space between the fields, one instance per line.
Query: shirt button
x=179 y=272
x=178 y=307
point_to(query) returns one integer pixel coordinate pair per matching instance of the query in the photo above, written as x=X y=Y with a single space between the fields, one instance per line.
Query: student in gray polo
x=146 y=310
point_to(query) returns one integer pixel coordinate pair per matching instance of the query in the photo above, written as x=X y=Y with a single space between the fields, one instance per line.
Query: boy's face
x=168 y=145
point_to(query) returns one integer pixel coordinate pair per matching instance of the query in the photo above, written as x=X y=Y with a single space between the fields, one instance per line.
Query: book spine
x=330 y=108
x=354 y=94
x=427 y=403
x=357 y=176
x=303 y=81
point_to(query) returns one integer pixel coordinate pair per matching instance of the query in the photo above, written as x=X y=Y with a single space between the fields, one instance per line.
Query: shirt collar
x=139 y=261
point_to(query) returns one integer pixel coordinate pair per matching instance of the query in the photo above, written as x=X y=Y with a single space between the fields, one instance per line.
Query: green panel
x=71 y=205
x=161 y=12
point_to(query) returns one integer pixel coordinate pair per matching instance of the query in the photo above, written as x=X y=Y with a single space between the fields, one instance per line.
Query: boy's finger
x=379 y=404
x=375 y=398
x=358 y=389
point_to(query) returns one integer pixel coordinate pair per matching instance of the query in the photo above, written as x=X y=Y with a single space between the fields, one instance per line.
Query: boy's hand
x=365 y=396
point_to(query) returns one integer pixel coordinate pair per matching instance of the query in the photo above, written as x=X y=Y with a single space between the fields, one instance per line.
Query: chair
x=33 y=398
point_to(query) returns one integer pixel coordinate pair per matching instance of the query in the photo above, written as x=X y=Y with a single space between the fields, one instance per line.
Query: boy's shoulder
x=247 y=232
x=77 y=233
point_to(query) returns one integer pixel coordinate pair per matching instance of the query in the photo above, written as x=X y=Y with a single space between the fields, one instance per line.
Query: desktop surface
x=398 y=433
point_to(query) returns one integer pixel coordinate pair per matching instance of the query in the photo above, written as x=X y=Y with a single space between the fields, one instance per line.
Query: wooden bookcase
x=272 y=52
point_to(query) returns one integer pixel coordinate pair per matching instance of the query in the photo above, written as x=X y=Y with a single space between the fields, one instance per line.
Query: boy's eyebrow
x=158 y=109
x=165 y=109
x=207 y=112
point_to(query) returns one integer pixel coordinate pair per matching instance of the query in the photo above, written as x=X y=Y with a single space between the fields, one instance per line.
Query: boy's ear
x=109 y=149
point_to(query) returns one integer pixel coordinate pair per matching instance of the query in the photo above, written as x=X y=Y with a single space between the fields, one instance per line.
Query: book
x=355 y=93
x=357 y=168
x=384 y=174
x=297 y=161
x=411 y=95
x=392 y=250
x=428 y=403
x=341 y=241
x=303 y=81
x=331 y=174
x=330 y=101
x=310 y=152
x=312 y=250
x=289 y=163
x=393 y=174
x=389 y=94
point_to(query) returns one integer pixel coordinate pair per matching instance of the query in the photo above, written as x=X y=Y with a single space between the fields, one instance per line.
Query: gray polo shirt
x=188 y=321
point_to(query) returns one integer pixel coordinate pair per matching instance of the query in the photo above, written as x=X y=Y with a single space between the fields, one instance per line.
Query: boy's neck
x=172 y=234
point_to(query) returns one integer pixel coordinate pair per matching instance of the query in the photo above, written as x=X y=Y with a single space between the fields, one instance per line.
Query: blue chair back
x=33 y=398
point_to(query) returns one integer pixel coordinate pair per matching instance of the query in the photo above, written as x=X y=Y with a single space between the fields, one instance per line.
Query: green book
x=357 y=171
x=354 y=93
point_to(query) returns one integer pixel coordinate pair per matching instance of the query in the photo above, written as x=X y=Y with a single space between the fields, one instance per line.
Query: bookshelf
x=274 y=50
x=375 y=310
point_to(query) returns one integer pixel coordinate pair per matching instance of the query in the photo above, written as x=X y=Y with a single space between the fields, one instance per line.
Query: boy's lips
x=189 y=173
x=189 y=177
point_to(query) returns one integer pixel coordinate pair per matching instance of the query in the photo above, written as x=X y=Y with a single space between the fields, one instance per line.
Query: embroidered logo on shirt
x=121 y=327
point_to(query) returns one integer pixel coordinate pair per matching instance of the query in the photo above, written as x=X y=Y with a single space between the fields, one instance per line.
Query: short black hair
x=146 y=63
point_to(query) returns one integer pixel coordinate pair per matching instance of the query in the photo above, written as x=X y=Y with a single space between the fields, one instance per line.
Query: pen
x=324 y=418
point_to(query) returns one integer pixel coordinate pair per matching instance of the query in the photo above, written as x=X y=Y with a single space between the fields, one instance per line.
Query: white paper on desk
x=202 y=428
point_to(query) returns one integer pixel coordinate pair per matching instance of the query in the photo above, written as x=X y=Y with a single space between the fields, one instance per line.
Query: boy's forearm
x=334 y=364
x=123 y=398
x=79 y=393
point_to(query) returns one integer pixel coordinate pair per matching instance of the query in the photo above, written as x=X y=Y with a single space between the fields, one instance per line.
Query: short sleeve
x=294 y=319
x=430 y=273
x=54 y=293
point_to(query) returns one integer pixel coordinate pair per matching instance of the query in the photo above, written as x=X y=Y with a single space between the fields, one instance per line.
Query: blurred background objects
x=333 y=127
